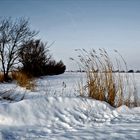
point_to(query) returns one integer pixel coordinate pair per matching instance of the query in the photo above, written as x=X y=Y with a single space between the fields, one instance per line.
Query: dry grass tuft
x=103 y=83
x=23 y=80
x=1 y=77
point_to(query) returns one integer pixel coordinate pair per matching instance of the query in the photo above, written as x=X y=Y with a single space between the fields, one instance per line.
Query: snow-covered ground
x=54 y=111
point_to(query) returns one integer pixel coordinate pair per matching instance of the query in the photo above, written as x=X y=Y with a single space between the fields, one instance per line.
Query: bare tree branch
x=12 y=35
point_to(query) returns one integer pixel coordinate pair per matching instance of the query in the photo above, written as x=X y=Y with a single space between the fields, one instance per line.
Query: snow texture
x=64 y=116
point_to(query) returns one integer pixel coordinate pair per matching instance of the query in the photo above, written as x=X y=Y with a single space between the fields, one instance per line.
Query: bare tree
x=12 y=35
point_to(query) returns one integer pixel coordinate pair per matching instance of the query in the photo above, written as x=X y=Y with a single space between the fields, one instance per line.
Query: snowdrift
x=65 y=118
x=62 y=111
x=55 y=112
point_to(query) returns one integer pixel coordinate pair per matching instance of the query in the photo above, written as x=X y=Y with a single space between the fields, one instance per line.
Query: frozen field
x=55 y=111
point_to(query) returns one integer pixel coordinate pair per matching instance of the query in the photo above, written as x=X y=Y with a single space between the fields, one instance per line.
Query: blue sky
x=72 y=24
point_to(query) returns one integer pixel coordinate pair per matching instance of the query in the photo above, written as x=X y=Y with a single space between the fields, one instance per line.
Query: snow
x=54 y=111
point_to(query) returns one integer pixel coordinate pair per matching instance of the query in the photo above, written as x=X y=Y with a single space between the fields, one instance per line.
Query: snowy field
x=55 y=111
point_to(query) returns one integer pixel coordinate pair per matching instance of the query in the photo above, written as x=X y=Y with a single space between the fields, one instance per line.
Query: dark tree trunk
x=6 y=77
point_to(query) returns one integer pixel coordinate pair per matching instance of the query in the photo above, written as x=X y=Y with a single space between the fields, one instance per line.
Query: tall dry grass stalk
x=23 y=80
x=1 y=77
x=103 y=83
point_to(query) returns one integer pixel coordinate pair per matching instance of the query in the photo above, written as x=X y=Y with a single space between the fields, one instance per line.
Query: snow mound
x=56 y=111
x=67 y=118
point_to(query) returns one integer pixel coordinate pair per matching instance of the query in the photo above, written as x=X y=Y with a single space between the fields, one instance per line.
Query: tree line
x=19 y=50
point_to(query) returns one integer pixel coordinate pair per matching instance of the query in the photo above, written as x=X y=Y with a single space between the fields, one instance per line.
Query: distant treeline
x=115 y=71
